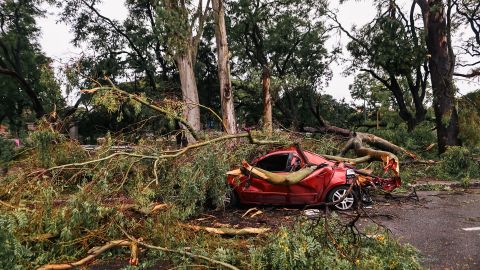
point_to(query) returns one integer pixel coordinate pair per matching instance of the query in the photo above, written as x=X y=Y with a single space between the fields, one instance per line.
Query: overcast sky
x=56 y=37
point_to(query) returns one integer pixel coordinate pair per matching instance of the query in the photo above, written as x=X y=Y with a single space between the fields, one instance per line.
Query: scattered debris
x=312 y=213
x=251 y=211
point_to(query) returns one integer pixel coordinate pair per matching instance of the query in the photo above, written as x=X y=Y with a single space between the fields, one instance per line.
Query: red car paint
x=312 y=190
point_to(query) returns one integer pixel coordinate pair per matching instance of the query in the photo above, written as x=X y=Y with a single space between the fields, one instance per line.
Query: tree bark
x=267 y=101
x=189 y=90
x=226 y=93
x=441 y=63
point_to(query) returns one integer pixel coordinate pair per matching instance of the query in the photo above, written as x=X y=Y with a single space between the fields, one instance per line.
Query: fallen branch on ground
x=133 y=244
x=92 y=254
x=144 y=210
x=228 y=231
x=185 y=253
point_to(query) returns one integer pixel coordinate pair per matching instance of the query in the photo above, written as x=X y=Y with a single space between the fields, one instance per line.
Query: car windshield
x=274 y=163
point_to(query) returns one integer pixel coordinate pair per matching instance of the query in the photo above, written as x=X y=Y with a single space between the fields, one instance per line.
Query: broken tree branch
x=228 y=231
x=146 y=103
x=352 y=161
x=185 y=253
x=165 y=154
x=96 y=251
x=92 y=254
x=356 y=143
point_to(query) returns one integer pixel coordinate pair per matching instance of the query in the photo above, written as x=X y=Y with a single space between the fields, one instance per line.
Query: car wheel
x=347 y=203
x=231 y=199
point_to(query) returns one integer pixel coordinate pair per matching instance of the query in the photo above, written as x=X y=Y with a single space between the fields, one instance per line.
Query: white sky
x=56 y=37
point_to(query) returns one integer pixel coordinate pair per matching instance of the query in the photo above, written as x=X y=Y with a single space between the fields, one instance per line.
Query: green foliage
x=27 y=76
x=396 y=48
x=53 y=148
x=12 y=252
x=107 y=99
x=198 y=180
x=7 y=152
x=458 y=163
x=309 y=246
x=469 y=119
x=44 y=140
x=375 y=96
x=25 y=236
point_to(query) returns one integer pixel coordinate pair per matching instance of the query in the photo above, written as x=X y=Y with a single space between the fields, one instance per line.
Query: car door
x=310 y=189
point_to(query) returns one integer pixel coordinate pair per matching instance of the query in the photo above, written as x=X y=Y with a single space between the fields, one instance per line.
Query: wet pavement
x=443 y=226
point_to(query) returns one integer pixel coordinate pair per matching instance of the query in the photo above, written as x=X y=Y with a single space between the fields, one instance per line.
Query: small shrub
x=7 y=153
x=44 y=140
x=458 y=163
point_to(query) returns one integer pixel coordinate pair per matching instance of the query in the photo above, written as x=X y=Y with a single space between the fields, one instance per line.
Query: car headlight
x=350 y=174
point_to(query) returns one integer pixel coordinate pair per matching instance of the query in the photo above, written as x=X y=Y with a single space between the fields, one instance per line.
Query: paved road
x=436 y=226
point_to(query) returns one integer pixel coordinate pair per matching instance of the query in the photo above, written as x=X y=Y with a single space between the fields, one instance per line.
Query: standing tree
x=183 y=33
x=397 y=50
x=26 y=76
x=437 y=20
x=391 y=49
x=468 y=13
x=283 y=44
x=154 y=32
x=226 y=93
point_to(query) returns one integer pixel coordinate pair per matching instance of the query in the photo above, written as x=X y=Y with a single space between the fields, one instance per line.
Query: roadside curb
x=450 y=184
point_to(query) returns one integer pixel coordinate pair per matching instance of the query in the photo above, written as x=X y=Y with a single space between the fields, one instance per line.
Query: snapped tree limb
x=145 y=102
x=92 y=254
x=356 y=142
x=185 y=253
x=228 y=231
x=163 y=155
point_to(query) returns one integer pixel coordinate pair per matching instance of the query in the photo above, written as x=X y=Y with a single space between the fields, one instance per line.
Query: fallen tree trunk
x=356 y=142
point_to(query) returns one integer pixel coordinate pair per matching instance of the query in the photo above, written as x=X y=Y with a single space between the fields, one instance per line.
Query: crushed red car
x=327 y=181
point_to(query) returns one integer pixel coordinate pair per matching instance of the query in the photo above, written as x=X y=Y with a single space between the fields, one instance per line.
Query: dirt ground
x=435 y=224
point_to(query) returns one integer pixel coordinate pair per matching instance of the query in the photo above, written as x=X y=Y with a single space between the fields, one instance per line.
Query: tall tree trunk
x=189 y=90
x=226 y=93
x=267 y=101
x=441 y=65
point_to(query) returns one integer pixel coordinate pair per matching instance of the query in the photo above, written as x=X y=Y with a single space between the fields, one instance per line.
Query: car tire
x=348 y=203
x=231 y=199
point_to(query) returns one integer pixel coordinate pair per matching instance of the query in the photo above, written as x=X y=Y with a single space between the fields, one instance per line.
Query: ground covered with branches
x=54 y=214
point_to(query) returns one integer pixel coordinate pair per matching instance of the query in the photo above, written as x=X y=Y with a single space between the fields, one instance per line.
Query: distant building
x=4 y=131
